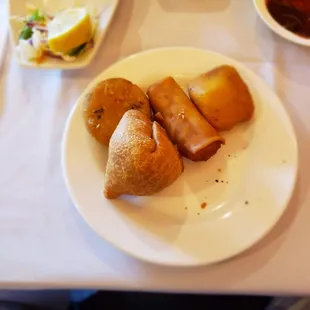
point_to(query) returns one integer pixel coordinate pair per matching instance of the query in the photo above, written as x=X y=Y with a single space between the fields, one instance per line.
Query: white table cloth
x=45 y=243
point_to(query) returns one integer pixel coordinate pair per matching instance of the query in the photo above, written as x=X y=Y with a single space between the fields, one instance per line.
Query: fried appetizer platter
x=144 y=154
x=195 y=137
x=106 y=103
x=222 y=97
x=142 y=160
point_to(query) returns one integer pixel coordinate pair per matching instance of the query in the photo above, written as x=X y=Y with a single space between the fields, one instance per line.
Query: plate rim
x=165 y=263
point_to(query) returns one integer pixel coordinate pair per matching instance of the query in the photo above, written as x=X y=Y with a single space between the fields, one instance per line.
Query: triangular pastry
x=142 y=160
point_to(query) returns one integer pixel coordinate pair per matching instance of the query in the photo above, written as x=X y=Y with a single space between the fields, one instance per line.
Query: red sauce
x=203 y=205
x=294 y=15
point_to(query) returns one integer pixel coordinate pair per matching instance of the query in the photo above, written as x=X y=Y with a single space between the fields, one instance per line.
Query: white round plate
x=246 y=186
x=263 y=12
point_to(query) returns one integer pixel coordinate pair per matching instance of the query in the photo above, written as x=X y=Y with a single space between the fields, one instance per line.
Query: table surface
x=43 y=240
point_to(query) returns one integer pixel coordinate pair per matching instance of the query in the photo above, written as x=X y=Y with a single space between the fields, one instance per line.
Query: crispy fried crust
x=106 y=103
x=195 y=137
x=142 y=160
x=222 y=97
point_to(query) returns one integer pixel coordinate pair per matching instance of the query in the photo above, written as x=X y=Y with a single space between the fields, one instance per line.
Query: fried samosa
x=142 y=160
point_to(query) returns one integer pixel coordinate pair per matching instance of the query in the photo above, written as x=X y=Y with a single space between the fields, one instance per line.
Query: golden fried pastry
x=106 y=103
x=195 y=137
x=142 y=160
x=222 y=97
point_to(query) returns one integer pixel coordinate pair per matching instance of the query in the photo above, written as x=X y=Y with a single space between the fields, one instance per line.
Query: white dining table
x=44 y=243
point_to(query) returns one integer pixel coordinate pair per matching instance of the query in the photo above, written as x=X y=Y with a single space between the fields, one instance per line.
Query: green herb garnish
x=26 y=33
x=36 y=16
x=77 y=50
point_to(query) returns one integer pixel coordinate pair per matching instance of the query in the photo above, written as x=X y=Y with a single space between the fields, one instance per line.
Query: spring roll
x=195 y=138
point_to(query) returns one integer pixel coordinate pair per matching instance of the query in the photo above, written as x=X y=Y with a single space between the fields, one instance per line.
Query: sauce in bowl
x=294 y=15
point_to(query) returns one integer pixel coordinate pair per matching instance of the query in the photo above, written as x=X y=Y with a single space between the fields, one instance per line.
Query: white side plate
x=106 y=9
x=246 y=185
x=262 y=11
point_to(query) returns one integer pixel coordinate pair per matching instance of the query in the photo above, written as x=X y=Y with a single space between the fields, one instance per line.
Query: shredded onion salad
x=34 y=39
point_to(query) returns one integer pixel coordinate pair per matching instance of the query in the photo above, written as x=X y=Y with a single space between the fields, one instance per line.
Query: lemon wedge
x=69 y=29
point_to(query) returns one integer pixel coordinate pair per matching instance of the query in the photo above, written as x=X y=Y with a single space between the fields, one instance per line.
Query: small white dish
x=105 y=8
x=262 y=10
x=246 y=185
